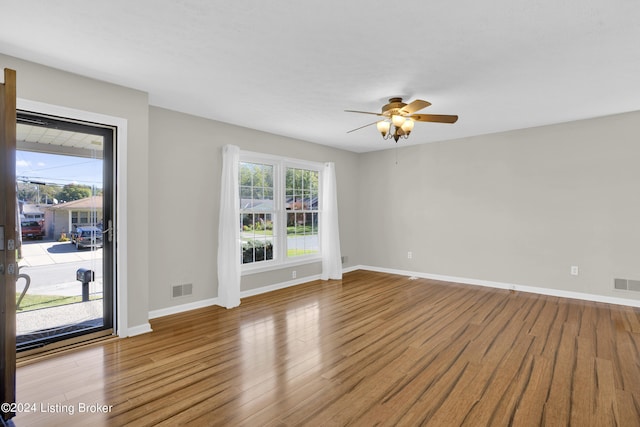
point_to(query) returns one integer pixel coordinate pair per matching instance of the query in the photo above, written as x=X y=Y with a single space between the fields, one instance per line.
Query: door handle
x=109 y=231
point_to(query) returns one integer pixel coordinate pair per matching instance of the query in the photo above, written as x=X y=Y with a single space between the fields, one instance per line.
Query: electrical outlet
x=409 y=255
x=574 y=270
x=294 y=274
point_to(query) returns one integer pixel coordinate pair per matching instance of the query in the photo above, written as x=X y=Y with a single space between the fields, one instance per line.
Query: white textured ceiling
x=292 y=67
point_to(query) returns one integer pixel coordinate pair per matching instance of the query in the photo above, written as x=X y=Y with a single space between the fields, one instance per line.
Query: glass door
x=65 y=286
x=7 y=246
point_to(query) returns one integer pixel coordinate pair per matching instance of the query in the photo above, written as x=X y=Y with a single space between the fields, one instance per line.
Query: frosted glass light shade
x=397 y=121
x=383 y=127
x=407 y=126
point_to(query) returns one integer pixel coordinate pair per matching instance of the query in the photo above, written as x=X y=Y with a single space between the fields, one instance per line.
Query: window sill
x=281 y=266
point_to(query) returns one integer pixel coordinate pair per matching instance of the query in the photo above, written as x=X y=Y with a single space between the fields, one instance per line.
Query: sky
x=57 y=169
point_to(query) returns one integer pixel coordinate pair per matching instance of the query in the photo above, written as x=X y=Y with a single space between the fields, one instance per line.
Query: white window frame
x=280 y=165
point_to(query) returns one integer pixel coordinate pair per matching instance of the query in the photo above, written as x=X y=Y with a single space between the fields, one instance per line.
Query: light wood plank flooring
x=372 y=349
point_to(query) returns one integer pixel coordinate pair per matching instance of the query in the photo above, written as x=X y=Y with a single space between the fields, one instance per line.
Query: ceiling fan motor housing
x=393 y=107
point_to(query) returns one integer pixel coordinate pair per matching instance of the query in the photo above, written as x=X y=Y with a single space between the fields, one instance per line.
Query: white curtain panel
x=331 y=257
x=229 y=230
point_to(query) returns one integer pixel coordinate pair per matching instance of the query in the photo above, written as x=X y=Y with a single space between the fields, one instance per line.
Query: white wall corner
x=136 y=330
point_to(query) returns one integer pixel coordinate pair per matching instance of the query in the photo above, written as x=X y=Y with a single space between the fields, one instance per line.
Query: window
x=84 y=218
x=301 y=202
x=279 y=211
x=257 y=211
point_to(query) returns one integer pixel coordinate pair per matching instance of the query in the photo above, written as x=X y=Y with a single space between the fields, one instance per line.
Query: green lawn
x=302 y=229
x=34 y=302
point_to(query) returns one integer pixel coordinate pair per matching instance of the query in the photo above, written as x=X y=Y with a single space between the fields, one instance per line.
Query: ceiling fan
x=400 y=115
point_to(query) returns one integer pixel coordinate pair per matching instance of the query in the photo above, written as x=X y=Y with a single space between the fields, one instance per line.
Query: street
x=52 y=268
x=49 y=279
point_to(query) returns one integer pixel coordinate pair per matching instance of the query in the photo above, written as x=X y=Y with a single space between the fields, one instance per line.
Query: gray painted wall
x=47 y=85
x=519 y=207
x=185 y=161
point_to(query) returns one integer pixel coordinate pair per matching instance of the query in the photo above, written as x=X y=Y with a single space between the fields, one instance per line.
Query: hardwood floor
x=371 y=349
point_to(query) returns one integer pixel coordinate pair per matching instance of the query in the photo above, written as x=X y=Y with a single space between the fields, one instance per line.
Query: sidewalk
x=46 y=318
x=50 y=252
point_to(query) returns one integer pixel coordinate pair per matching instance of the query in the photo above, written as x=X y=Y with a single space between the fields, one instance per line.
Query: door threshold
x=27 y=357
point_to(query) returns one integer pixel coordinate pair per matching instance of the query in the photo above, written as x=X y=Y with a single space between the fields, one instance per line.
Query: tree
x=49 y=192
x=72 y=192
x=27 y=192
x=37 y=193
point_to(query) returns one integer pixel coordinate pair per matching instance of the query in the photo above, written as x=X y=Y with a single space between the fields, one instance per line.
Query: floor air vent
x=182 y=290
x=626 y=285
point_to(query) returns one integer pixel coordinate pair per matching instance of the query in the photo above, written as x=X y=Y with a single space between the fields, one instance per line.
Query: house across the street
x=63 y=218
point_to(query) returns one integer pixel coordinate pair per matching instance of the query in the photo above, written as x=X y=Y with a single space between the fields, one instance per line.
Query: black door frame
x=8 y=238
x=120 y=171
x=108 y=132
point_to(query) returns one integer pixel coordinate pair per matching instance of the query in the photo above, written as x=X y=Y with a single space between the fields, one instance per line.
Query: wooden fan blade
x=363 y=112
x=353 y=130
x=437 y=118
x=414 y=106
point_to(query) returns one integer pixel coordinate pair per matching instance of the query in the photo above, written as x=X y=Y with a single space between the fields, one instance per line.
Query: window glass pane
x=257 y=207
x=245 y=197
x=288 y=199
x=256 y=234
x=268 y=176
x=258 y=175
x=299 y=182
x=301 y=199
x=258 y=193
x=306 y=200
x=245 y=174
x=302 y=234
x=301 y=189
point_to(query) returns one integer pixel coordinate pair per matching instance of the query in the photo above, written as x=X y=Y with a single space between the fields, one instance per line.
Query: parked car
x=87 y=237
x=32 y=230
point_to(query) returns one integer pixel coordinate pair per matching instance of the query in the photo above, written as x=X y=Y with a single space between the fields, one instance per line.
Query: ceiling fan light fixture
x=397 y=134
x=397 y=120
x=407 y=126
x=383 y=127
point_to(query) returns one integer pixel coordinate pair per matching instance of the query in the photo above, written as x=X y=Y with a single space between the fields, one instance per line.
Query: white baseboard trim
x=182 y=308
x=509 y=286
x=350 y=269
x=214 y=301
x=137 y=330
x=275 y=287
x=141 y=329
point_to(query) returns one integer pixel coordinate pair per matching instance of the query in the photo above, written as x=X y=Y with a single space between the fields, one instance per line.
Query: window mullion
x=280 y=211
